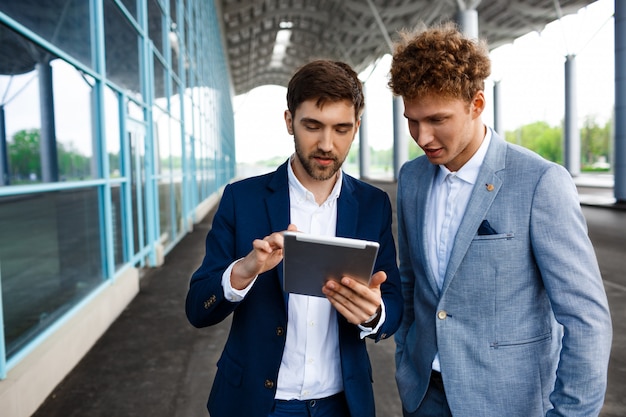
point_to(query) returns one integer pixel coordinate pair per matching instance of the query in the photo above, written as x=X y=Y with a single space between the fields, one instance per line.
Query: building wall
x=116 y=133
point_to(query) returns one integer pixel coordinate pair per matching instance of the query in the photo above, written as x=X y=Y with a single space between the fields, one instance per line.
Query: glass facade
x=115 y=123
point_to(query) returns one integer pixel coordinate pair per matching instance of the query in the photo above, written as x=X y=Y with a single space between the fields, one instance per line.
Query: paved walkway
x=151 y=362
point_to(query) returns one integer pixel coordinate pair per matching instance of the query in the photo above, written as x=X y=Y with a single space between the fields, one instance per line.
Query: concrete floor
x=151 y=362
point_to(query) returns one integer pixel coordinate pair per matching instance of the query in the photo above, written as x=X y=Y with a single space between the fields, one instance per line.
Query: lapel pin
x=489 y=187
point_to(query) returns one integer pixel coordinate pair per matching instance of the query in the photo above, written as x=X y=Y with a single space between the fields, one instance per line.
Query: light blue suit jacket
x=245 y=383
x=521 y=324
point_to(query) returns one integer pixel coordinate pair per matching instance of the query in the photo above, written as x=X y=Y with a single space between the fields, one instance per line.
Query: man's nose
x=325 y=142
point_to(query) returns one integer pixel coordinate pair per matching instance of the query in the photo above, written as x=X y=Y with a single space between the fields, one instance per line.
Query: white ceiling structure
x=267 y=40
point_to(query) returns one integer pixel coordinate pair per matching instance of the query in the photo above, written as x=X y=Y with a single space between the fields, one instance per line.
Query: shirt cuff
x=367 y=331
x=231 y=294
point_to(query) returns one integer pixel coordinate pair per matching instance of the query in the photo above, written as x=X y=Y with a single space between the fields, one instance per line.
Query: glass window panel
x=112 y=131
x=122 y=49
x=48 y=130
x=162 y=140
x=119 y=231
x=160 y=75
x=65 y=24
x=131 y=7
x=73 y=122
x=165 y=210
x=61 y=231
x=155 y=24
x=178 y=206
x=175 y=100
x=138 y=184
x=134 y=110
x=175 y=48
x=173 y=15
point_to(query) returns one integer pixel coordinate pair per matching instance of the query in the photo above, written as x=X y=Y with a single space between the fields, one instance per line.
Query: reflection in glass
x=51 y=253
x=122 y=49
x=112 y=131
x=165 y=210
x=119 y=230
x=64 y=23
x=47 y=115
x=155 y=24
x=73 y=122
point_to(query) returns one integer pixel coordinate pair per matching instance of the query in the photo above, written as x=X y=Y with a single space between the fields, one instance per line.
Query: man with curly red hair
x=505 y=311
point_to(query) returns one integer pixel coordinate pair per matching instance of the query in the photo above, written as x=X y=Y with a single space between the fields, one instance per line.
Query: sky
x=530 y=71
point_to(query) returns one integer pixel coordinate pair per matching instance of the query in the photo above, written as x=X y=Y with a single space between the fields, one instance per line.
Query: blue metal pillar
x=47 y=134
x=4 y=156
x=467 y=19
x=400 y=139
x=497 y=109
x=619 y=170
x=571 y=149
x=364 y=148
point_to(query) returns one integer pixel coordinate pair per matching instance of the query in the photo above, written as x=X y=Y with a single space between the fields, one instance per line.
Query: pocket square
x=486 y=229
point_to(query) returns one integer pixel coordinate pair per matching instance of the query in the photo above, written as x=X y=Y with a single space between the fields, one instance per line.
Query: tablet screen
x=310 y=260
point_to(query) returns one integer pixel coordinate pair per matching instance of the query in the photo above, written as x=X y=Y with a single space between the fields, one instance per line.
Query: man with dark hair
x=505 y=311
x=291 y=354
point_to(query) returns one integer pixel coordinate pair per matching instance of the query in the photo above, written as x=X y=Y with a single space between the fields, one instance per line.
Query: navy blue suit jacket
x=245 y=383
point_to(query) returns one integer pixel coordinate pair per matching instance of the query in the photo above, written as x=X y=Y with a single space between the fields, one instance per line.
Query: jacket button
x=442 y=314
x=269 y=384
x=208 y=303
x=279 y=331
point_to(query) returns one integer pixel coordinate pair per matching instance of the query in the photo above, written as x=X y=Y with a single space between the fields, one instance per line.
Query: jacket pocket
x=521 y=342
x=230 y=370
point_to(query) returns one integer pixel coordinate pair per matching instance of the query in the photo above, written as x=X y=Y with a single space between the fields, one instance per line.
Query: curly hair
x=326 y=81
x=439 y=60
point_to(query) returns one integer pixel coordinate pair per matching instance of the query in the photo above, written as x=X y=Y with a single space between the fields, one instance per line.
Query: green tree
x=541 y=138
x=594 y=142
x=24 y=156
x=72 y=165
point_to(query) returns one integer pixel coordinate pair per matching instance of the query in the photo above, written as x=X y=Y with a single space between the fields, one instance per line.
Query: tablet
x=310 y=260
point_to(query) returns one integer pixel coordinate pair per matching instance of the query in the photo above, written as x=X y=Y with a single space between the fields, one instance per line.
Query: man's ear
x=478 y=104
x=289 y=122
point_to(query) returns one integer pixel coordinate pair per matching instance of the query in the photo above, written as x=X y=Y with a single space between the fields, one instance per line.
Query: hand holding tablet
x=310 y=260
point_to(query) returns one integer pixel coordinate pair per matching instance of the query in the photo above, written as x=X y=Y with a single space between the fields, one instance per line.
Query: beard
x=312 y=168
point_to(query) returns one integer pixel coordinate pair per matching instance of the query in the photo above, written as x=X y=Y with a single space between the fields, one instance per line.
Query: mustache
x=325 y=155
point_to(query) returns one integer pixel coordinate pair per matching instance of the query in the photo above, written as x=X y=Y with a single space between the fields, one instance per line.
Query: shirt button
x=442 y=314
x=268 y=384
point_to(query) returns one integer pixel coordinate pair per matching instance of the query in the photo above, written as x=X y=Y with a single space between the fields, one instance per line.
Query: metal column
x=619 y=169
x=4 y=156
x=497 y=109
x=571 y=149
x=364 y=148
x=47 y=139
x=400 y=139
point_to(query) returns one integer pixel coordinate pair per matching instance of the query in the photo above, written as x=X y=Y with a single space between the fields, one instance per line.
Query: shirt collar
x=300 y=193
x=469 y=171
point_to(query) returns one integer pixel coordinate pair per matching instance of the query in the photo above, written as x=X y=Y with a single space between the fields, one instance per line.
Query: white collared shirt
x=448 y=200
x=311 y=365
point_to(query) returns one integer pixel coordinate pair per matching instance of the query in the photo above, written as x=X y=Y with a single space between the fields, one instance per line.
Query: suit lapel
x=487 y=186
x=277 y=206
x=422 y=196
x=347 y=209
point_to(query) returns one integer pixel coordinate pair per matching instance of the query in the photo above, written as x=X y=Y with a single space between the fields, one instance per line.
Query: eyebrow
x=315 y=121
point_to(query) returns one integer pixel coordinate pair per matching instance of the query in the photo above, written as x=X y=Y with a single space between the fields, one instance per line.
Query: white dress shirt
x=311 y=366
x=448 y=200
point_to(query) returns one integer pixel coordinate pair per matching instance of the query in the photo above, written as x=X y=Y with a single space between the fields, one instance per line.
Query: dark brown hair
x=439 y=60
x=326 y=81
